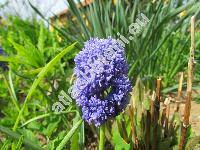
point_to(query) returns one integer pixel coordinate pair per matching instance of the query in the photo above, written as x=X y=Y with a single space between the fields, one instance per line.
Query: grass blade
x=46 y=115
x=69 y=135
x=40 y=77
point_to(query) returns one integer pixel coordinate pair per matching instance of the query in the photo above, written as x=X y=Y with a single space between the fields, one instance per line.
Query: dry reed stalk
x=166 y=131
x=179 y=92
x=163 y=116
x=152 y=106
x=148 y=130
x=189 y=87
x=156 y=114
x=133 y=131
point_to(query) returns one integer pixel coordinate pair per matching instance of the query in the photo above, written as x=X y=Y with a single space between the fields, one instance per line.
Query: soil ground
x=194 y=112
x=194 y=116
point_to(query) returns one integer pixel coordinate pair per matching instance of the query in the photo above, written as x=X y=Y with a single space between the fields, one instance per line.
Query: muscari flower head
x=3 y=65
x=102 y=86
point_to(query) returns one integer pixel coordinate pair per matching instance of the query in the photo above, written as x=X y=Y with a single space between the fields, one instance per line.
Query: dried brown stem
x=152 y=106
x=179 y=92
x=189 y=87
x=156 y=114
x=148 y=128
x=134 y=134
x=166 y=132
x=163 y=116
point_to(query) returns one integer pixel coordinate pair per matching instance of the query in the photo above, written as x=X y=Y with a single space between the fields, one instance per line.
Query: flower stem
x=102 y=137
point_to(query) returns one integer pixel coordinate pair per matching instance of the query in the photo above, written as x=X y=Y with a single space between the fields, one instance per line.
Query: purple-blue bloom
x=3 y=65
x=102 y=86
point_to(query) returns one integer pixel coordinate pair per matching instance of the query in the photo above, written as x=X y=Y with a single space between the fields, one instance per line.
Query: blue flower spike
x=102 y=87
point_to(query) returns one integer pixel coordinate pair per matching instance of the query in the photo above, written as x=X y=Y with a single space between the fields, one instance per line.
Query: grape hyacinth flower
x=102 y=87
x=3 y=65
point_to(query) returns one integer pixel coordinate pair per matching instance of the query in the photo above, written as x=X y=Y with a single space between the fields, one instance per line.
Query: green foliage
x=161 y=44
x=118 y=141
x=36 y=63
x=69 y=135
x=28 y=141
x=41 y=65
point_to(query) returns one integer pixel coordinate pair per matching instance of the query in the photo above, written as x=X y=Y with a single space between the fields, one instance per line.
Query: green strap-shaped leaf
x=69 y=135
x=77 y=13
x=40 y=76
x=47 y=115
